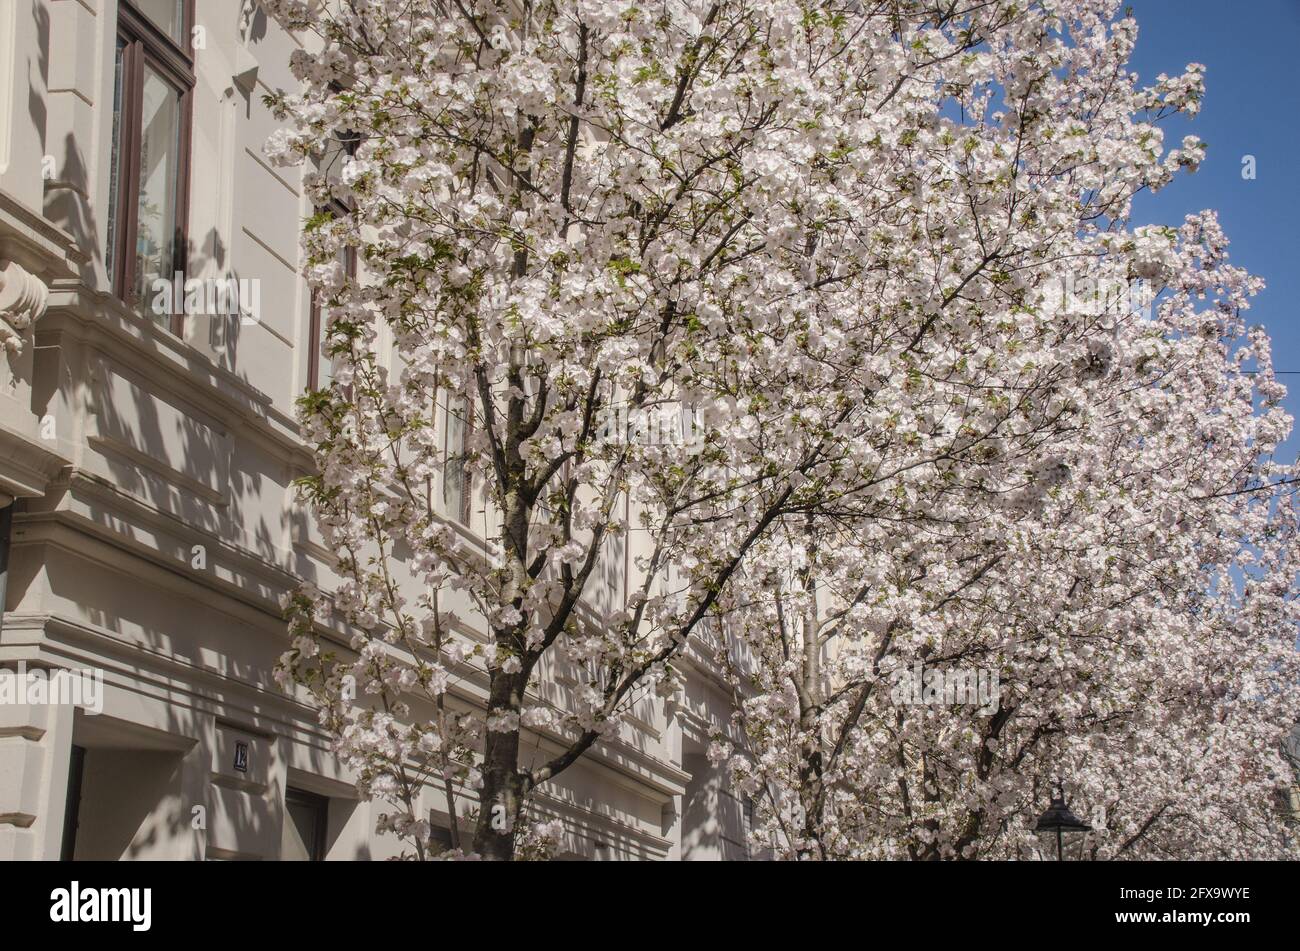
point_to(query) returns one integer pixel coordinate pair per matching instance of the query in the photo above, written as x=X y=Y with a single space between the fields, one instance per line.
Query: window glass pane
x=167 y=15
x=453 y=475
x=324 y=362
x=334 y=156
x=115 y=161
x=346 y=256
x=159 y=166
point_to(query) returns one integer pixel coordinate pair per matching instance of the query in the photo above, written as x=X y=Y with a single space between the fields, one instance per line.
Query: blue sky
x=1249 y=51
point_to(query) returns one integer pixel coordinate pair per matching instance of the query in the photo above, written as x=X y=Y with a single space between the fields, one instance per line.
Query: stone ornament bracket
x=22 y=302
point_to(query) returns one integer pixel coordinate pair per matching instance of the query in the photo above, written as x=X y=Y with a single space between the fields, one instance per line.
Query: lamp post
x=1061 y=830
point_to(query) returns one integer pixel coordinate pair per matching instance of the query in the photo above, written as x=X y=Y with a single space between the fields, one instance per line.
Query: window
x=455 y=483
x=149 y=171
x=305 y=816
x=320 y=368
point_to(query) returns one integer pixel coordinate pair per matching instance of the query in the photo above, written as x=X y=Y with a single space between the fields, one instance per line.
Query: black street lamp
x=1061 y=830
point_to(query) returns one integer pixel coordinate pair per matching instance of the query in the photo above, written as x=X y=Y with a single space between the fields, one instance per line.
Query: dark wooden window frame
x=147 y=44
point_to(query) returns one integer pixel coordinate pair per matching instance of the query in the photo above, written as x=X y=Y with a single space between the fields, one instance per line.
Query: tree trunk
x=501 y=798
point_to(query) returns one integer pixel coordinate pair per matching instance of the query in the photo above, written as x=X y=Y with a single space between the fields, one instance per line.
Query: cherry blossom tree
x=1117 y=561
x=831 y=236
x=1135 y=633
x=565 y=213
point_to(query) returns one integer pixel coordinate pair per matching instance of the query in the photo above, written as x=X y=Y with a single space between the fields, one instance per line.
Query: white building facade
x=148 y=523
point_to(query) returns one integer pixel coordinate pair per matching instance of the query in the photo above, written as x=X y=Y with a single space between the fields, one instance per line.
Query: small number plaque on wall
x=241 y=756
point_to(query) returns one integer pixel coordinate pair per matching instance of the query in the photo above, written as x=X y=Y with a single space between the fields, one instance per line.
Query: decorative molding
x=27 y=464
x=157 y=466
x=23 y=296
x=26 y=731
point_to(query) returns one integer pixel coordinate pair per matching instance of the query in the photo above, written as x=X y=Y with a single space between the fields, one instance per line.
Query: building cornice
x=26 y=466
x=36 y=243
